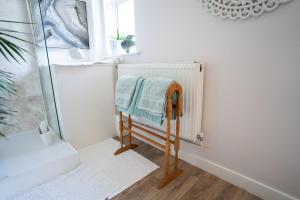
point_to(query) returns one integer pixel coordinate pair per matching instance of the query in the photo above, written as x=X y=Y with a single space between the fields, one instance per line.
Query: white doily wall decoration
x=240 y=9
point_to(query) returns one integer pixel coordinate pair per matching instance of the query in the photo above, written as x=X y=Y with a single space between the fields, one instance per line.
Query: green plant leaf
x=17 y=38
x=7 y=84
x=9 y=47
x=18 y=51
x=3 y=54
x=9 y=50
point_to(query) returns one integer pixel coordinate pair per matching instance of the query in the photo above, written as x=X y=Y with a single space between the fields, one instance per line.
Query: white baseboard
x=257 y=188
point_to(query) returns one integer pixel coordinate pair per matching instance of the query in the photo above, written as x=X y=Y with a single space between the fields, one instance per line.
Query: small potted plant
x=115 y=44
x=121 y=44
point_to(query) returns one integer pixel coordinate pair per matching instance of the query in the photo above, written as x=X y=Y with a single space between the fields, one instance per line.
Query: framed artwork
x=65 y=24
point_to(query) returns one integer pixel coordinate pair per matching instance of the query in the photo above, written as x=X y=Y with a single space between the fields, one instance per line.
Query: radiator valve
x=200 y=138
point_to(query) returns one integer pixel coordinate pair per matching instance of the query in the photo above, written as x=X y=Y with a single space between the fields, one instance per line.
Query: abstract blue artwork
x=65 y=23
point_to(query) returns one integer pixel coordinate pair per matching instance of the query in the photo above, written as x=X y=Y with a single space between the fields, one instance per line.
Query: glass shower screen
x=44 y=66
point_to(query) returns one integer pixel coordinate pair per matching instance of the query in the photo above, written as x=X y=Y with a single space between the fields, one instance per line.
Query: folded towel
x=153 y=97
x=140 y=113
x=139 y=87
x=125 y=88
x=157 y=118
x=132 y=105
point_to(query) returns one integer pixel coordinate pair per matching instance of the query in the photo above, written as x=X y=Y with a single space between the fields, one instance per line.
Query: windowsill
x=131 y=54
x=82 y=64
x=125 y=54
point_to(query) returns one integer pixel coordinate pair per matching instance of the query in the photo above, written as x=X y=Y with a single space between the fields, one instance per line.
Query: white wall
x=252 y=95
x=85 y=100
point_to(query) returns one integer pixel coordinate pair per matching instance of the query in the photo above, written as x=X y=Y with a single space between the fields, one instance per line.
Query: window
x=119 y=26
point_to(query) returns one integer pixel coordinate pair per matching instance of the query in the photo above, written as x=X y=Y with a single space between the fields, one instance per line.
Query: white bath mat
x=123 y=170
x=80 y=184
x=102 y=175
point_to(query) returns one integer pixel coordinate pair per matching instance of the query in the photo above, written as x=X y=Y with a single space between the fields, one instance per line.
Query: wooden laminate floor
x=192 y=184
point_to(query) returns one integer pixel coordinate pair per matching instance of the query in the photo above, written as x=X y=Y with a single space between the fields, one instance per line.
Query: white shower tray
x=22 y=172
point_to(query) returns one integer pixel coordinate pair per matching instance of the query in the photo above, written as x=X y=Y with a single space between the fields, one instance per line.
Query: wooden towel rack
x=169 y=176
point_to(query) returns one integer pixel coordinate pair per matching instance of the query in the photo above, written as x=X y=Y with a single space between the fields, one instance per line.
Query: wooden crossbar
x=146 y=138
x=169 y=176
x=152 y=133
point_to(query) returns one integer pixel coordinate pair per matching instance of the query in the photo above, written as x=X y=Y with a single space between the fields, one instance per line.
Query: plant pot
x=116 y=48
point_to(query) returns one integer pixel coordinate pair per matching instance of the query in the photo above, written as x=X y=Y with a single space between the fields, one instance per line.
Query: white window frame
x=114 y=6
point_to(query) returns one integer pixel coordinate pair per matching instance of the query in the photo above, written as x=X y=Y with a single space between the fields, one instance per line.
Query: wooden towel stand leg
x=121 y=128
x=176 y=172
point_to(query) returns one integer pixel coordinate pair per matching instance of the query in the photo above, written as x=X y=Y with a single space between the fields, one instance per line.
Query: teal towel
x=125 y=88
x=153 y=97
x=157 y=118
x=132 y=105
x=148 y=116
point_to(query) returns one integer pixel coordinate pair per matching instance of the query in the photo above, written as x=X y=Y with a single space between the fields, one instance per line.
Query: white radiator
x=190 y=76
